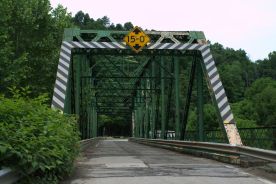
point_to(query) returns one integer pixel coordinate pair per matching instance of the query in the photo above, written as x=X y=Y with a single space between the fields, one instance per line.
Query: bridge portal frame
x=202 y=66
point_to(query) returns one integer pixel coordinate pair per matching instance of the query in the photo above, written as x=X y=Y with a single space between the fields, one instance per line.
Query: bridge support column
x=177 y=99
x=132 y=125
x=153 y=102
x=163 y=102
x=140 y=115
x=147 y=120
x=94 y=122
x=200 y=105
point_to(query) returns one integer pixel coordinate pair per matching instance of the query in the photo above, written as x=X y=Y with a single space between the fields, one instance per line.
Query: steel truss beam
x=163 y=43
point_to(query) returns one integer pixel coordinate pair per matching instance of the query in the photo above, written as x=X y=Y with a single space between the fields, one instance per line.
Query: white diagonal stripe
x=193 y=46
x=174 y=45
x=108 y=45
x=229 y=118
x=63 y=69
x=183 y=46
x=61 y=85
x=203 y=47
x=206 y=52
x=55 y=99
x=68 y=44
x=63 y=62
x=225 y=110
x=212 y=71
x=88 y=44
x=153 y=46
x=62 y=95
x=217 y=86
x=62 y=77
x=209 y=65
x=214 y=79
x=223 y=101
x=65 y=49
x=65 y=56
x=119 y=45
x=164 y=45
x=98 y=45
x=207 y=59
x=79 y=45
x=219 y=94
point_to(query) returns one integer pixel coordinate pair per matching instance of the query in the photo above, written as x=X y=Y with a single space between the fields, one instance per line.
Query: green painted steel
x=163 y=102
x=108 y=79
x=200 y=103
x=147 y=119
x=188 y=100
x=153 y=104
x=177 y=98
x=77 y=61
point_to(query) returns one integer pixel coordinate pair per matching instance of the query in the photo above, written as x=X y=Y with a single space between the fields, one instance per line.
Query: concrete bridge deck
x=118 y=161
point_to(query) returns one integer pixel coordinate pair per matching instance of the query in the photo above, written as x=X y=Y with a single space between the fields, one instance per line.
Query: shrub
x=37 y=141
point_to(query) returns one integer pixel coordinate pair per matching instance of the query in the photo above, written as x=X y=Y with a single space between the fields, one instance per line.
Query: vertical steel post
x=177 y=98
x=153 y=103
x=163 y=102
x=137 y=125
x=140 y=115
x=200 y=102
x=67 y=105
x=94 y=125
x=77 y=63
x=188 y=100
x=78 y=83
x=146 y=108
x=132 y=125
x=86 y=87
x=90 y=120
x=68 y=36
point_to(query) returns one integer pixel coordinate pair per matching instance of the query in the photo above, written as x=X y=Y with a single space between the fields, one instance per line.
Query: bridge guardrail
x=8 y=176
x=267 y=155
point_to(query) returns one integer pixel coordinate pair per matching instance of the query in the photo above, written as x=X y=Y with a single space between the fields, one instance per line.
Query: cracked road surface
x=117 y=161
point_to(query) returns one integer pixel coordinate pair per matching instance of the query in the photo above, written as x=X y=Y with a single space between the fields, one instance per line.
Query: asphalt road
x=118 y=161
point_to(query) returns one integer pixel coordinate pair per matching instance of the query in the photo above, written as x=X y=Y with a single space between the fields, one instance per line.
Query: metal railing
x=259 y=137
x=193 y=147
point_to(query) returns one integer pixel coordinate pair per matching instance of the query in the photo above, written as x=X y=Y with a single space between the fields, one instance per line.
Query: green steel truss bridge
x=98 y=74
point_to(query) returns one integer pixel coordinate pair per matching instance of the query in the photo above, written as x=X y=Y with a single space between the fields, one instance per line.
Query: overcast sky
x=245 y=24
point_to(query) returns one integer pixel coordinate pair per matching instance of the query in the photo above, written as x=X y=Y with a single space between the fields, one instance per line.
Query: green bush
x=37 y=141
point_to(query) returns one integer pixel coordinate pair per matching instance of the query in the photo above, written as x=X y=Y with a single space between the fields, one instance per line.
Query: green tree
x=32 y=36
x=231 y=75
x=267 y=67
x=265 y=105
x=128 y=26
x=262 y=93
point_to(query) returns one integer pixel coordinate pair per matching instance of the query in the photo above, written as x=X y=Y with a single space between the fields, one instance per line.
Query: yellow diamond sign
x=136 y=39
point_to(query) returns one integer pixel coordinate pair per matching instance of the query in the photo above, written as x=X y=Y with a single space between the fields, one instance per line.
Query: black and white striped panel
x=62 y=76
x=174 y=46
x=98 y=45
x=59 y=95
x=216 y=85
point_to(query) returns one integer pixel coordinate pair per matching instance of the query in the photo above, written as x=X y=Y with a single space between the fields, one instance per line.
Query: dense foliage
x=35 y=139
